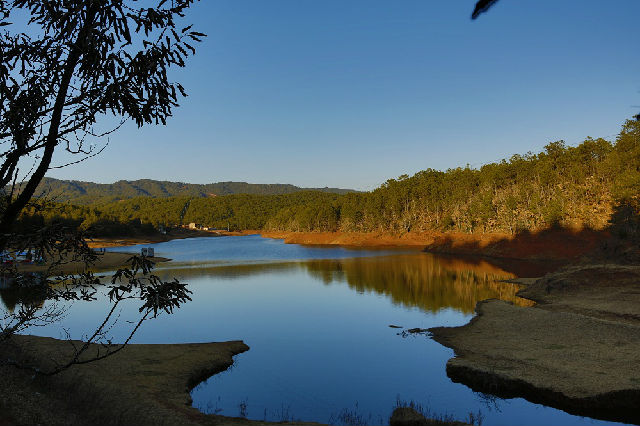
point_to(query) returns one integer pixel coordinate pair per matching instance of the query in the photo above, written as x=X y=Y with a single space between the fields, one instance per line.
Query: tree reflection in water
x=420 y=280
x=424 y=281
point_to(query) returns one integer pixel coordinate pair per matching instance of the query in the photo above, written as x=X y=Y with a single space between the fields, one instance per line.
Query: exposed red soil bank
x=551 y=244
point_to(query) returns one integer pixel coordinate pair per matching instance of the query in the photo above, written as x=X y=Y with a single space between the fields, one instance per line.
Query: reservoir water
x=325 y=327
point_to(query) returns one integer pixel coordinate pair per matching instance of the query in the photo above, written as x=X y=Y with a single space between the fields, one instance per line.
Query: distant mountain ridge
x=80 y=192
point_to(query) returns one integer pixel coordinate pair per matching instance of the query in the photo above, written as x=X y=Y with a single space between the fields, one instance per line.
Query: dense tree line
x=581 y=186
x=147 y=215
x=570 y=186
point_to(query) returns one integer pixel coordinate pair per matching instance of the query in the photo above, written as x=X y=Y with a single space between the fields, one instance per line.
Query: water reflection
x=424 y=281
x=22 y=289
x=421 y=280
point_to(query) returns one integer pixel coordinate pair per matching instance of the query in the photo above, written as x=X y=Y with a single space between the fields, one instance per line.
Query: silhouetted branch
x=481 y=7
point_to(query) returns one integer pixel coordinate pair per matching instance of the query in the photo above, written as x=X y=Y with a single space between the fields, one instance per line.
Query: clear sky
x=351 y=93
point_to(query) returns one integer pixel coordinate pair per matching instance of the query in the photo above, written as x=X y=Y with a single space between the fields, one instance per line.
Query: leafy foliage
x=77 y=61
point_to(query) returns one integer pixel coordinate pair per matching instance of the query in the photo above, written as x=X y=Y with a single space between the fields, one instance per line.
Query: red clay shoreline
x=552 y=244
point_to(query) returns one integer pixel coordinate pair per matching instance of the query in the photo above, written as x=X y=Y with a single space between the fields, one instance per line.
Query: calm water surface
x=317 y=321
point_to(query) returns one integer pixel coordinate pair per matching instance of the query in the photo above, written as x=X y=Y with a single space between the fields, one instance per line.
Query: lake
x=318 y=322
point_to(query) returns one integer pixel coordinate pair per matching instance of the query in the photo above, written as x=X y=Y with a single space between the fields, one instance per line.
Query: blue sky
x=352 y=93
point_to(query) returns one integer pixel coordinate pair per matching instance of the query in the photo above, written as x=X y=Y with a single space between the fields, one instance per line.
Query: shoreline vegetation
x=554 y=244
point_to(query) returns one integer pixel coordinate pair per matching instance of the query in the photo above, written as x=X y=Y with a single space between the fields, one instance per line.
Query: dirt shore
x=142 y=385
x=551 y=244
x=106 y=261
x=577 y=349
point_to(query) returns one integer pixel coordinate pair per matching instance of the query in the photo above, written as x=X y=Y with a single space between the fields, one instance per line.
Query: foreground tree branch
x=80 y=61
x=72 y=65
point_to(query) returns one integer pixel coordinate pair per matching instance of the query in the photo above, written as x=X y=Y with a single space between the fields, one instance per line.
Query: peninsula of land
x=577 y=348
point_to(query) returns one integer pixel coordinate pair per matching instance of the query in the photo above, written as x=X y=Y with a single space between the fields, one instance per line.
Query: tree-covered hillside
x=577 y=186
x=144 y=214
x=594 y=184
x=78 y=192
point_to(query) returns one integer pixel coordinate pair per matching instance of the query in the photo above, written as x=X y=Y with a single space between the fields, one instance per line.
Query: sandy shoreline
x=149 y=384
x=577 y=349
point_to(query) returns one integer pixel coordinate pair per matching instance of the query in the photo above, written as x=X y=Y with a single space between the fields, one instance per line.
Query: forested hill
x=595 y=184
x=78 y=192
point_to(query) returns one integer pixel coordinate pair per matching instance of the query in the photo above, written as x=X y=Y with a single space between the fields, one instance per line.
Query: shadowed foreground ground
x=578 y=349
x=142 y=385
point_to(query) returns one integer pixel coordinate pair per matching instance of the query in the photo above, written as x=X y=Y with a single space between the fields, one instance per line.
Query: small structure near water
x=147 y=252
x=23 y=257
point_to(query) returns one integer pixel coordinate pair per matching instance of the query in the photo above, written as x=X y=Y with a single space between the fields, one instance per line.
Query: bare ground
x=105 y=261
x=142 y=385
x=577 y=349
